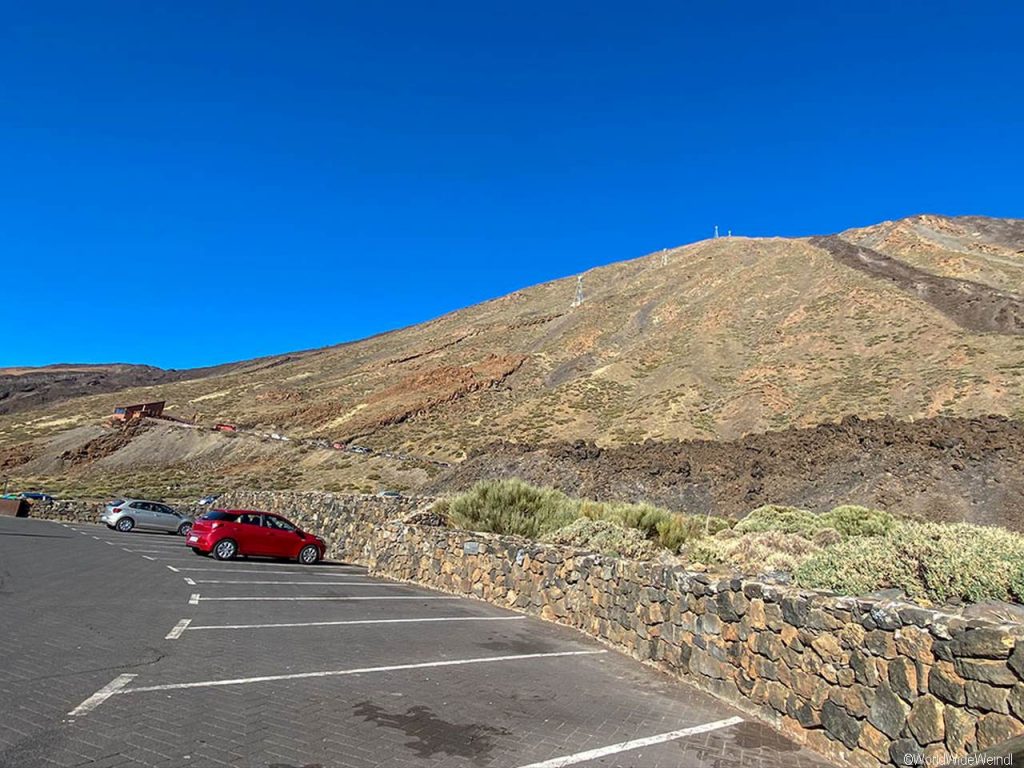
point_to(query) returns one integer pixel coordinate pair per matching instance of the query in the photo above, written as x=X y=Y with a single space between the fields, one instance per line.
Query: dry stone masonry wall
x=346 y=522
x=865 y=681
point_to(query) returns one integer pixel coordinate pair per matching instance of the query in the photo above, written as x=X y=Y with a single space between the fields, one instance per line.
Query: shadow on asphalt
x=37 y=535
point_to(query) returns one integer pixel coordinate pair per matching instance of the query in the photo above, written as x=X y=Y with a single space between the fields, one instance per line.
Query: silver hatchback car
x=126 y=514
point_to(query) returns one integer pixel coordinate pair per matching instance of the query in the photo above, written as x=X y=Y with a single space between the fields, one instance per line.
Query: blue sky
x=189 y=183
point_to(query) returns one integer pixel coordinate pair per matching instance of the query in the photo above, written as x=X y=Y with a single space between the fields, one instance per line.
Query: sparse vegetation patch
x=850 y=549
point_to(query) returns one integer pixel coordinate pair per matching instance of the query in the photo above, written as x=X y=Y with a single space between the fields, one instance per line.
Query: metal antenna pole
x=579 y=292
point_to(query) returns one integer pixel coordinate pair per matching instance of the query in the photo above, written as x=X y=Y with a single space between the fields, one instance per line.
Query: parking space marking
x=114 y=686
x=197 y=598
x=194 y=599
x=355 y=622
x=358 y=671
x=625 y=746
x=302 y=583
x=147 y=557
x=164 y=551
x=189 y=581
x=178 y=628
x=264 y=569
x=171 y=567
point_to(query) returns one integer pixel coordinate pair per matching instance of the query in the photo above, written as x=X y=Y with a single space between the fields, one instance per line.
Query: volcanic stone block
x=843 y=727
x=926 y=720
x=995 y=728
x=985 y=670
x=903 y=678
x=888 y=712
x=944 y=682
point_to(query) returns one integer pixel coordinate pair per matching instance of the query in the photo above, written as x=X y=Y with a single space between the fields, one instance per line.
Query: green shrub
x=851 y=520
x=847 y=520
x=773 y=517
x=511 y=507
x=603 y=536
x=754 y=553
x=958 y=562
x=514 y=507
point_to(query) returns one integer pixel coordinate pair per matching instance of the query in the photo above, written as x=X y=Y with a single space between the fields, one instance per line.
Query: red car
x=231 y=532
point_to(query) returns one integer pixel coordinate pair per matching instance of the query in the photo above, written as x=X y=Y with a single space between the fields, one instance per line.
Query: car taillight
x=115 y=511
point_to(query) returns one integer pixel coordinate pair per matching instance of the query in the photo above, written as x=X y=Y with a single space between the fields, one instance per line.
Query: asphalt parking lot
x=128 y=650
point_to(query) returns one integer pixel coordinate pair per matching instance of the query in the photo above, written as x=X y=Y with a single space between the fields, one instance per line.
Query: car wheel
x=125 y=524
x=225 y=549
x=184 y=528
x=309 y=555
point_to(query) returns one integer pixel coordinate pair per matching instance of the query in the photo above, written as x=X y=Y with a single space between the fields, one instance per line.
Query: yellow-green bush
x=940 y=562
x=515 y=507
x=852 y=520
x=671 y=530
x=603 y=536
x=753 y=553
x=511 y=507
x=773 y=517
x=848 y=520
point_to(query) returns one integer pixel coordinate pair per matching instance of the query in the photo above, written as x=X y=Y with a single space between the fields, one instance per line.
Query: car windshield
x=116 y=502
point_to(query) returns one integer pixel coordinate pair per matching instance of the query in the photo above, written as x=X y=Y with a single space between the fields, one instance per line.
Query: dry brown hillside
x=916 y=318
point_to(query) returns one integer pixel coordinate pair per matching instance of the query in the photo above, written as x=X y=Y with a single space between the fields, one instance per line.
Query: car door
x=250 y=539
x=165 y=518
x=142 y=513
x=283 y=538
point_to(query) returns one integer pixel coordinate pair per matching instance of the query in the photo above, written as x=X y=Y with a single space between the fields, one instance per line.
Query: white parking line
x=171 y=567
x=264 y=568
x=197 y=598
x=189 y=581
x=147 y=557
x=163 y=551
x=304 y=583
x=178 y=628
x=625 y=746
x=194 y=599
x=356 y=622
x=104 y=693
x=359 y=671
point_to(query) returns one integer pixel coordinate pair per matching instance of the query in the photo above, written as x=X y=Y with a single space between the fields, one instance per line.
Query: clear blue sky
x=185 y=183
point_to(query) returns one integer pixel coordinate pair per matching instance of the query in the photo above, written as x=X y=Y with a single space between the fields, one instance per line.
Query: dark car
x=227 y=533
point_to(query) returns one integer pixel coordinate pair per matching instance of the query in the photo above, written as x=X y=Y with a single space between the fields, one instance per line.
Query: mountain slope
x=713 y=340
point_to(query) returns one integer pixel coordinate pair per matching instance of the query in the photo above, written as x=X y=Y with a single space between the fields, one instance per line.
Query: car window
x=163 y=509
x=250 y=519
x=218 y=514
x=279 y=523
x=139 y=505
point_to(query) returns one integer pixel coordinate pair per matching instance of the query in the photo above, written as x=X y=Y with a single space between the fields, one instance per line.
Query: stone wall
x=865 y=681
x=66 y=511
x=346 y=522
